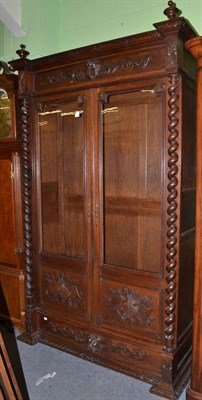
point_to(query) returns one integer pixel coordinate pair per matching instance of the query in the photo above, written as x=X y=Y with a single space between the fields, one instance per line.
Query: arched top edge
x=194 y=46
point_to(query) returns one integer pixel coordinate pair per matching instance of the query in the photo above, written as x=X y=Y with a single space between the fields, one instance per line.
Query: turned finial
x=22 y=53
x=172 y=11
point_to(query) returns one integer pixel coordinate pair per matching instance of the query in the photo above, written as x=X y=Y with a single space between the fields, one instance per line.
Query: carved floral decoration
x=63 y=290
x=97 y=344
x=130 y=307
x=93 y=70
x=103 y=345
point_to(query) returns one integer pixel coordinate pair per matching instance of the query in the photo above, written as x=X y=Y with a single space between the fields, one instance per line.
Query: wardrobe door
x=12 y=286
x=132 y=190
x=65 y=205
x=11 y=241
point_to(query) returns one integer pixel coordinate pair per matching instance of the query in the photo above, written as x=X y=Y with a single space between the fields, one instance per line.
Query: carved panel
x=92 y=357
x=171 y=54
x=61 y=289
x=65 y=331
x=96 y=344
x=92 y=70
x=130 y=307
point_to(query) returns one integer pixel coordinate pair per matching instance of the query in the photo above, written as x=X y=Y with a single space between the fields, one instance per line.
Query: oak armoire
x=109 y=201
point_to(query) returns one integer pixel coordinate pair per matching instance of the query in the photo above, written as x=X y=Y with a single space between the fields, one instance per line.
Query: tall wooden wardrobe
x=109 y=172
x=12 y=277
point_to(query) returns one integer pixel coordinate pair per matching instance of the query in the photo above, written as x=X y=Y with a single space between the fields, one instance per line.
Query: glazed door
x=132 y=143
x=101 y=173
x=65 y=213
x=131 y=190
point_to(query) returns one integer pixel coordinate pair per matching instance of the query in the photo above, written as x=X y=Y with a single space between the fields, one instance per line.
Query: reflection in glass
x=132 y=143
x=61 y=127
x=5 y=115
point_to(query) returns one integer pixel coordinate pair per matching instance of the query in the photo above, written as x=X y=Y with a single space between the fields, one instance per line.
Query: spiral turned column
x=172 y=212
x=27 y=201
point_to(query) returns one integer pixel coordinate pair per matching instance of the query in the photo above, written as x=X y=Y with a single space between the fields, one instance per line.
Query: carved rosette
x=25 y=128
x=130 y=307
x=172 y=211
x=63 y=290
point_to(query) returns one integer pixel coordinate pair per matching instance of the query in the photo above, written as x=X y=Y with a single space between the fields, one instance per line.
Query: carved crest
x=63 y=290
x=130 y=307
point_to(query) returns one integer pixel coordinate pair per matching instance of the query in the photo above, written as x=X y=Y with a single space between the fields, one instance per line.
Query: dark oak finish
x=12 y=286
x=109 y=148
x=194 y=392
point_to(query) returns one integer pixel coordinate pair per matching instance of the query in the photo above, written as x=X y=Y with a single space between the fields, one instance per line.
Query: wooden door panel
x=12 y=294
x=133 y=253
x=64 y=259
x=133 y=309
x=64 y=290
x=132 y=180
x=62 y=142
x=12 y=291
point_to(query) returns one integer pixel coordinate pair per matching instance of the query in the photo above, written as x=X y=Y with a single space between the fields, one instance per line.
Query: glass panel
x=62 y=179
x=7 y=222
x=132 y=135
x=5 y=115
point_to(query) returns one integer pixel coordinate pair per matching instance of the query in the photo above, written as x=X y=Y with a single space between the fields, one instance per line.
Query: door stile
x=17 y=208
x=97 y=200
x=88 y=184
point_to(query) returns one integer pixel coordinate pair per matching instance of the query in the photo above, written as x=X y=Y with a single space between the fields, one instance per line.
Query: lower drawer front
x=97 y=346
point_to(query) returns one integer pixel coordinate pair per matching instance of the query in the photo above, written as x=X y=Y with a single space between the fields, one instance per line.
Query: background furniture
x=109 y=147
x=12 y=293
x=195 y=390
x=9 y=389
